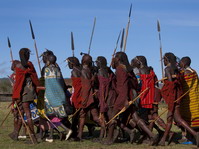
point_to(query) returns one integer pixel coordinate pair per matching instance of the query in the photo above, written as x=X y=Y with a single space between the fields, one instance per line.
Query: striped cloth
x=189 y=106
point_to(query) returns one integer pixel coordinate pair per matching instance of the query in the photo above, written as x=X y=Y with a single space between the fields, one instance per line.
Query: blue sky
x=53 y=20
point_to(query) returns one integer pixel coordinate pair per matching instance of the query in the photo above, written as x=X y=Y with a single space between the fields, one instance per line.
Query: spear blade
x=130 y=10
x=9 y=45
x=158 y=25
x=121 y=44
x=72 y=44
x=31 y=28
x=89 y=49
x=118 y=40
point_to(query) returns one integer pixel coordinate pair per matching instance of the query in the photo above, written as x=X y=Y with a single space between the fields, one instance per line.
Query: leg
x=168 y=127
x=26 y=107
x=81 y=124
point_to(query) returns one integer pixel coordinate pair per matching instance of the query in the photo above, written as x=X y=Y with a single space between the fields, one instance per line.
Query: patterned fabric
x=55 y=97
x=189 y=106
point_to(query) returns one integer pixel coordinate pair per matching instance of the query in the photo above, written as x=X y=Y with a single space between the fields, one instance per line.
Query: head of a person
x=121 y=58
x=24 y=55
x=185 y=62
x=51 y=59
x=101 y=62
x=45 y=55
x=87 y=60
x=141 y=61
x=170 y=58
x=73 y=61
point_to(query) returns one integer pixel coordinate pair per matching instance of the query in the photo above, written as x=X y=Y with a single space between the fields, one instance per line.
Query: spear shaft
x=89 y=49
x=9 y=45
x=35 y=45
x=127 y=28
x=160 y=40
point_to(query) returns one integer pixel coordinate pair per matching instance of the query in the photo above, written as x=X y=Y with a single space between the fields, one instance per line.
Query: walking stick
x=24 y=122
x=167 y=109
x=80 y=108
x=124 y=109
x=5 y=118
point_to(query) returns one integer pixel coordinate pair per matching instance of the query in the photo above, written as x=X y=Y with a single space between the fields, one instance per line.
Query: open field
x=7 y=143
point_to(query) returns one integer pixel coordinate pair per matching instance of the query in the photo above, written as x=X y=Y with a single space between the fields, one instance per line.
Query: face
x=97 y=63
x=165 y=61
x=70 y=65
x=27 y=55
x=114 y=62
x=181 y=64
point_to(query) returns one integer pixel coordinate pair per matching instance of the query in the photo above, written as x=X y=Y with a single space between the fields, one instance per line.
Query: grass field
x=7 y=143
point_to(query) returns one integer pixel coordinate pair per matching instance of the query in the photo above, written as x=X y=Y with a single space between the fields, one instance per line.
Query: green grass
x=7 y=143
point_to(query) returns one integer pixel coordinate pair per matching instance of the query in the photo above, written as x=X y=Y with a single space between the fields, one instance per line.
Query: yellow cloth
x=189 y=106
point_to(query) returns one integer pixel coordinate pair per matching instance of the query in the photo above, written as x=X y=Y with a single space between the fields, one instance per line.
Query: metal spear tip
x=158 y=25
x=9 y=45
x=130 y=10
x=31 y=28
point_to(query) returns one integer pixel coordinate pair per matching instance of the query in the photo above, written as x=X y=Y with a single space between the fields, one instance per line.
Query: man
x=171 y=92
x=106 y=93
x=24 y=93
x=88 y=102
x=74 y=64
x=56 y=105
x=125 y=83
x=149 y=100
x=189 y=106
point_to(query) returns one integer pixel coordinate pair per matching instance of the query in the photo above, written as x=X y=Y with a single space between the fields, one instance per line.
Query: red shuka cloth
x=148 y=81
x=171 y=91
x=86 y=93
x=76 y=96
x=103 y=92
x=20 y=77
x=122 y=87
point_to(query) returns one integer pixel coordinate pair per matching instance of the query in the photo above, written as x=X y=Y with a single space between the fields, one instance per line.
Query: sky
x=54 y=20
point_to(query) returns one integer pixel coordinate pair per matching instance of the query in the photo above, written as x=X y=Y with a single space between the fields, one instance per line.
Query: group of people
x=121 y=103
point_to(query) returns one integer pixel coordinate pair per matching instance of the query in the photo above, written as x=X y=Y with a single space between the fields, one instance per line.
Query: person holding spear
x=171 y=93
x=24 y=93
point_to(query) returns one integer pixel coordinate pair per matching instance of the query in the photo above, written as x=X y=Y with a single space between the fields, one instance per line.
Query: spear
x=158 y=28
x=89 y=49
x=9 y=45
x=121 y=44
x=115 y=47
x=35 y=45
x=72 y=44
x=127 y=28
x=116 y=44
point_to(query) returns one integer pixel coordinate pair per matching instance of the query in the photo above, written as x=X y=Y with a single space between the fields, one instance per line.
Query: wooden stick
x=24 y=122
x=124 y=108
x=167 y=109
x=5 y=118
